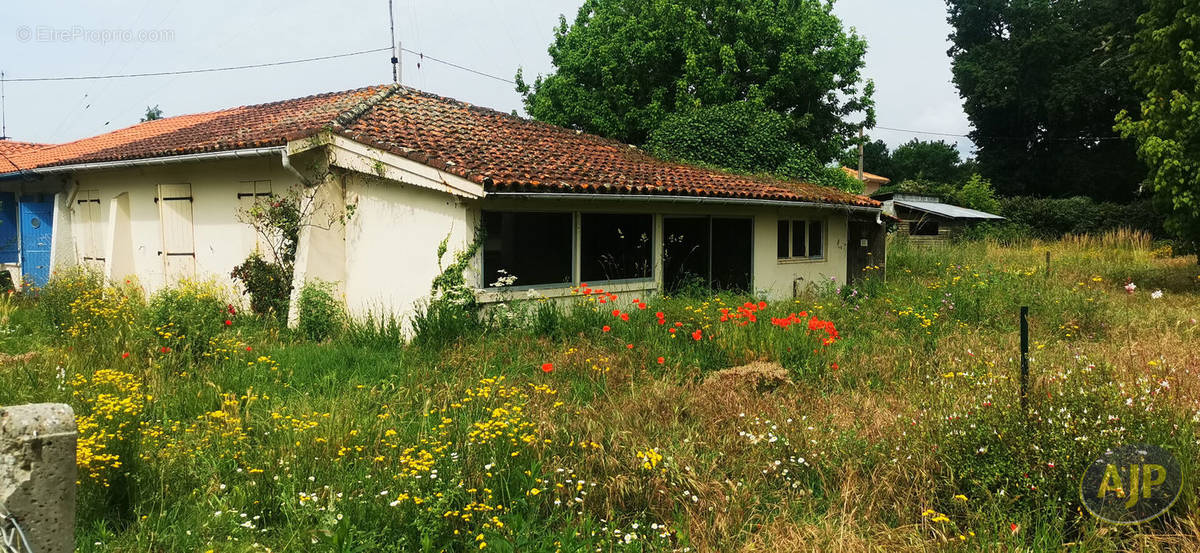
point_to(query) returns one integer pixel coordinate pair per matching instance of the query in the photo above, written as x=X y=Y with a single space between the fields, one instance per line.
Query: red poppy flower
x=762 y=305
x=248 y=348
x=228 y=322
x=624 y=316
x=231 y=310
x=1013 y=527
x=125 y=355
x=833 y=366
x=672 y=331
x=678 y=324
x=628 y=346
x=696 y=335
x=547 y=367
x=641 y=306
x=661 y=360
x=660 y=315
x=606 y=328
x=616 y=312
x=635 y=300
x=165 y=349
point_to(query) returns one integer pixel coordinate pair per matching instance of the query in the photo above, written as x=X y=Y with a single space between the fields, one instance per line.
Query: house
x=871 y=182
x=29 y=220
x=926 y=219
x=396 y=171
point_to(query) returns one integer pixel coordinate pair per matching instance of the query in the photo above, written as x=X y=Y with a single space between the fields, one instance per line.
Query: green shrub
x=189 y=316
x=321 y=315
x=268 y=284
x=64 y=289
x=451 y=311
x=1052 y=218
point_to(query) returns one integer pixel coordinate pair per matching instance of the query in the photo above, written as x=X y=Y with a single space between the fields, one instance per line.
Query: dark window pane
x=923 y=228
x=533 y=247
x=798 y=239
x=732 y=251
x=685 y=252
x=816 y=239
x=615 y=246
x=782 y=245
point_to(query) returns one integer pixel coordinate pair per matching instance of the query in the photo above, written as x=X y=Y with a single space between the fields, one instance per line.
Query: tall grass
x=545 y=426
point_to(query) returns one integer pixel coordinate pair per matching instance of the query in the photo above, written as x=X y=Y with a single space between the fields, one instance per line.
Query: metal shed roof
x=946 y=210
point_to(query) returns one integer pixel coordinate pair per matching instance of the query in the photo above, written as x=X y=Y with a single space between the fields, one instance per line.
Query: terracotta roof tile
x=497 y=150
x=867 y=177
x=10 y=148
x=230 y=129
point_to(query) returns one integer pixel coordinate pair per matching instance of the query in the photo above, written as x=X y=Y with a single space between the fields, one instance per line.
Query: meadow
x=879 y=417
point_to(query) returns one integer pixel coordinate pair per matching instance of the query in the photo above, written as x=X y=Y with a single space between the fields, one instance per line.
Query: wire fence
x=12 y=536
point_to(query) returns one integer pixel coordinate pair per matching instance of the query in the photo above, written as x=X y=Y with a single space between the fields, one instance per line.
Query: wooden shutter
x=251 y=193
x=91 y=238
x=178 y=242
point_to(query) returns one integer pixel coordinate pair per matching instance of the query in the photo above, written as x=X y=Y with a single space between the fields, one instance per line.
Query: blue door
x=36 y=218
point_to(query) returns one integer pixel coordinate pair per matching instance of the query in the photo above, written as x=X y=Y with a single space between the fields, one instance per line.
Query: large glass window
x=615 y=246
x=525 y=249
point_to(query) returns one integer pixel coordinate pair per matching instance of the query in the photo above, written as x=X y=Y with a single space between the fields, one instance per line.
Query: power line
x=421 y=55
x=1067 y=139
x=194 y=71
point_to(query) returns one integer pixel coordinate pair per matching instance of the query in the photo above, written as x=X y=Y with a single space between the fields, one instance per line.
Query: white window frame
x=808 y=226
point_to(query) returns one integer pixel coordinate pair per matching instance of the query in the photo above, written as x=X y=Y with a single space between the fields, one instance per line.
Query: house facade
x=389 y=172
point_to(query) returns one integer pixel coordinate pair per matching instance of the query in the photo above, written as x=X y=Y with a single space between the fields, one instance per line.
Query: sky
x=906 y=57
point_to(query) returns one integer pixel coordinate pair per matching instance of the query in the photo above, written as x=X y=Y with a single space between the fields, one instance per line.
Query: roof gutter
x=678 y=199
x=148 y=162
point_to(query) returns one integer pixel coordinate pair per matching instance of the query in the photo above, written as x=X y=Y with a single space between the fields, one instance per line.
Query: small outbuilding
x=871 y=182
x=927 y=219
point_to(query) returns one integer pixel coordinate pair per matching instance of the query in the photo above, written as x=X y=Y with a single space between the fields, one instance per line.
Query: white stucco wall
x=219 y=238
x=392 y=240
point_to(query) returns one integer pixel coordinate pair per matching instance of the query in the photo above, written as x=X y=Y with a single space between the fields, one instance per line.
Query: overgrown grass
x=589 y=425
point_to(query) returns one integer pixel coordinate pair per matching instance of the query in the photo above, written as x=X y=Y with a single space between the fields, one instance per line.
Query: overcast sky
x=907 y=56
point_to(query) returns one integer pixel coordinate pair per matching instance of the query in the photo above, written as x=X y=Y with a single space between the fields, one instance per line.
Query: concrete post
x=38 y=473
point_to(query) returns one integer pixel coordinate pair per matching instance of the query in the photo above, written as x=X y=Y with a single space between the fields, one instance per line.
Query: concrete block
x=38 y=473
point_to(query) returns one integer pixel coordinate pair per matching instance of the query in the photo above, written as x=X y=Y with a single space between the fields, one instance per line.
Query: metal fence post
x=37 y=477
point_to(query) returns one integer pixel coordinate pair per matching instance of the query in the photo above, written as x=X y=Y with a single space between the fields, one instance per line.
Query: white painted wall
x=392 y=241
x=219 y=236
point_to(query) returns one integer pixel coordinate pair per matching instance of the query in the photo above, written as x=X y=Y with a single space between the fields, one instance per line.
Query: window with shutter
x=178 y=243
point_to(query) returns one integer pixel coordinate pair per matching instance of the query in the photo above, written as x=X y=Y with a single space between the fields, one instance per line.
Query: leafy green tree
x=624 y=66
x=1041 y=81
x=937 y=161
x=1167 y=70
x=152 y=113
x=745 y=137
x=877 y=158
x=977 y=193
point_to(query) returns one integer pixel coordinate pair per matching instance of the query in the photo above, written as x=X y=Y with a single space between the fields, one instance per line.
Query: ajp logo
x=1131 y=484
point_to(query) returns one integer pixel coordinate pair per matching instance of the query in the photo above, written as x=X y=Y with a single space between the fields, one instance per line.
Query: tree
x=936 y=161
x=1166 y=56
x=1041 y=81
x=624 y=66
x=877 y=158
x=152 y=113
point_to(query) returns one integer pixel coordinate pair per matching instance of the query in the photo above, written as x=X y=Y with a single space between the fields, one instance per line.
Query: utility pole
x=3 y=118
x=860 y=154
x=395 y=50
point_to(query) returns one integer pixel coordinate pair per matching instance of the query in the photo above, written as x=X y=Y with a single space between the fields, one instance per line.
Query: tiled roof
x=10 y=148
x=497 y=150
x=237 y=128
x=507 y=153
x=867 y=177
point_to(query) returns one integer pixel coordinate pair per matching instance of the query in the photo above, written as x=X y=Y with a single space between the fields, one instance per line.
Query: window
x=709 y=252
x=923 y=228
x=799 y=239
x=251 y=194
x=615 y=246
x=91 y=229
x=526 y=249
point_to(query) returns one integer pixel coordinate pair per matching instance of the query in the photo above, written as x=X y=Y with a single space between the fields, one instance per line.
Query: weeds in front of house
x=882 y=415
